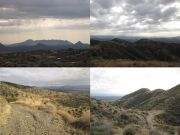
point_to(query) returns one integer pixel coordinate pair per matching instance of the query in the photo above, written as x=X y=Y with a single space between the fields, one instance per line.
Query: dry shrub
x=131 y=130
x=66 y=116
x=86 y=117
x=48 y=107
x=156 y=132
x=30 y=100
x=83 y=122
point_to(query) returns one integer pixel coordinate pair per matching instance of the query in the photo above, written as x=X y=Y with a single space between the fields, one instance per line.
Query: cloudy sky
x=135 y=17
x=44 y=19
x=122 y=81
x=46 y=76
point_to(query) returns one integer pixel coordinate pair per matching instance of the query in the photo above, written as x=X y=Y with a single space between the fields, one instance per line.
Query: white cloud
x=134 y=17
x=121 y=81
x=27 y=16
x=46 y=76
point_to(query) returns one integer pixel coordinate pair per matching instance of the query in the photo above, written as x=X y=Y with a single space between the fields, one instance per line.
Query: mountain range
x=143 y=49
x=31 y=45
x=146 y=99
x=70 y=87
x=143 y=112
x=136 y=38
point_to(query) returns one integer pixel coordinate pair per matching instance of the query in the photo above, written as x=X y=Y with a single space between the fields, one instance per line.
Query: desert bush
x=101 y=128
x=155 y=132
x=122 y=120
x=48 y=107
x=131 y=130
x=83 y=122
x=66 y=116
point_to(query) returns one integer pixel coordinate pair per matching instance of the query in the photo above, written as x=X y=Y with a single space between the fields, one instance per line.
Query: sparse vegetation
x=142 y=112
x=46 y=58
x=68 y=109
x=5 y=111
x=142 y=53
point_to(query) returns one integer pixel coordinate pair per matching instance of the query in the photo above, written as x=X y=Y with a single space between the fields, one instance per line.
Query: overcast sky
x=122 y=81
x=46 y=76
x=135 y=17
x=44 y=19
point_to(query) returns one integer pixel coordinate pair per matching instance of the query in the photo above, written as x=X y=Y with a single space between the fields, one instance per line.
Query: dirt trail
x=28 y=121
x=151 y=116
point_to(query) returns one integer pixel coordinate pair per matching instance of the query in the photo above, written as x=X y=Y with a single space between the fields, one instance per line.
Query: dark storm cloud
x=12 y=9
x=133 y=15
x=46 y=76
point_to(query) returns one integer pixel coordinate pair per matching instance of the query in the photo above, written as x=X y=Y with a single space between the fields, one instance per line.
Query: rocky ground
x=24 y=120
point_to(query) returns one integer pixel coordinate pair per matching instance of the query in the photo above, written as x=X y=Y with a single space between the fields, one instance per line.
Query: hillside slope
x=142 y=112
x=141 y=52
x=39 y=111
x=108 y=119
x=145 y=99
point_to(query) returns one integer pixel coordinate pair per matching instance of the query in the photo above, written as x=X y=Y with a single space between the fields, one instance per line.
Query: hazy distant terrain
x=31 y=110
x=140 y=53
x=106 y=98
x=78 y=89
x=44 y=53
x=142 y=112
x=136 y=38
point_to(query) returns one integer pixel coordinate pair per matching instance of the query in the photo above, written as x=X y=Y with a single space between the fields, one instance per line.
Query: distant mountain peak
x=144 y=40
x=143 y=90
x=1 y=44
x=119 y=40
x=79 y=43
x=29 y=41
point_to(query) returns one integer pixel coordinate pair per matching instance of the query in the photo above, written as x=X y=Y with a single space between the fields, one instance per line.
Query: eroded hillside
x=143 y=112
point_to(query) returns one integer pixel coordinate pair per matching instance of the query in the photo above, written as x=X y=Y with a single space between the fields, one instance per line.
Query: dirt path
x=151 y=116
x=28 y=121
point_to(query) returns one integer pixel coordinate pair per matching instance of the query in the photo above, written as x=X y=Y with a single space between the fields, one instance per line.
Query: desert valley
x=44 y=53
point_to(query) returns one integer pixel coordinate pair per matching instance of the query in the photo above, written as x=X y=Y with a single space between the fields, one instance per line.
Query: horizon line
x=44 y=39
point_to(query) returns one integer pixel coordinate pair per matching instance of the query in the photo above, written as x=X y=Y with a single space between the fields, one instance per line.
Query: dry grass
x=30 y=100
x=85 y=117
x=130 y=63
x=66 y=116
x=5 y=111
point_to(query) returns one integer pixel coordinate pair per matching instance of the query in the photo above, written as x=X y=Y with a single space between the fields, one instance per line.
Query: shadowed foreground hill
x=30 y=110
x=46 y=58
x=144 y=52
x=142 y=112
